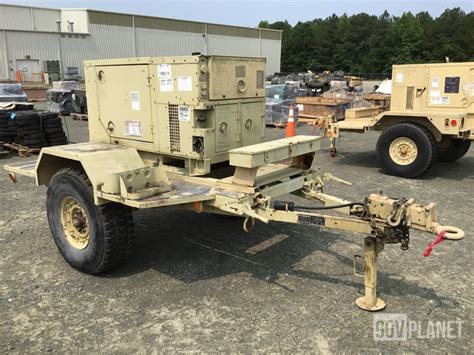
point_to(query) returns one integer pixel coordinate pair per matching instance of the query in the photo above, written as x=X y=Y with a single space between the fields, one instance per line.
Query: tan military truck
x=189 y=132
x=431 y=118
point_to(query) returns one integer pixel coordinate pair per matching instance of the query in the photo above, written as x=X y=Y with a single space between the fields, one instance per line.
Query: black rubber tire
x=422 y=138
x=50 y=131
x=35 y=140
x=453 y=151
x=46 y=116
x=110 y=225
x=31 y=129
x=36 y=144
x=55 y=120
x=52 y=125
x=56 y=137
x=35 y=135
x=29 y=122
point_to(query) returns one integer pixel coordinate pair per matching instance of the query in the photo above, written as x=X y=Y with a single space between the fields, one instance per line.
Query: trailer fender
x=103 y=163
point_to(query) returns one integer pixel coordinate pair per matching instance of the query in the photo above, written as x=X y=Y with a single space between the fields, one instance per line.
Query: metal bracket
x=243 y=210
x=310 y=220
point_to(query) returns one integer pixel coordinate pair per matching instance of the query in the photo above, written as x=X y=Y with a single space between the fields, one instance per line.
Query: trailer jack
x=370 y=302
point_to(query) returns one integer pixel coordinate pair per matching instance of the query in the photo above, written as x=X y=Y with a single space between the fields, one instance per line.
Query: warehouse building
x=37 y=40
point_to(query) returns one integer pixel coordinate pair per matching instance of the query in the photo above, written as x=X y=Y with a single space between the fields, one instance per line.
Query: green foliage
x=367 y=43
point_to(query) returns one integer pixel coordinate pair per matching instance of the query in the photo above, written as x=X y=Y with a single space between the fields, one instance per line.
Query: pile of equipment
x=32 y=129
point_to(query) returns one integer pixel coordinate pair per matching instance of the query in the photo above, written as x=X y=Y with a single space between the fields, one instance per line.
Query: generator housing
x=185 y=111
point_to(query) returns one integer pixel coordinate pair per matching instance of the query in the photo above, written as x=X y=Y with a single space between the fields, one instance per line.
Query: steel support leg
x=332 y=147
x=370 y=302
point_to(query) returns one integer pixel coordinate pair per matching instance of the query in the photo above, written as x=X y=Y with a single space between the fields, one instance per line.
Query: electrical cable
x=290 y=206
x=352 y=204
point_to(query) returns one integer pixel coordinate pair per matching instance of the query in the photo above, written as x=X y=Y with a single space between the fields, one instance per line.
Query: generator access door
x=236 y=78
x=125 y=102
x=446 y=85
x=252 y=121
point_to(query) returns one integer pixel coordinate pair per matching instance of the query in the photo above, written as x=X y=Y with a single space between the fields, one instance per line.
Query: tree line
x=365 y=43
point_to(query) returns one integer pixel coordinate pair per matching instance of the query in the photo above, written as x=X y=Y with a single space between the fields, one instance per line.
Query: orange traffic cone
x=290 y=126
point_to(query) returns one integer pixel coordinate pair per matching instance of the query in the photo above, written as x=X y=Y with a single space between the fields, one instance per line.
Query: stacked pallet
x=382 y=100
x=318 y=107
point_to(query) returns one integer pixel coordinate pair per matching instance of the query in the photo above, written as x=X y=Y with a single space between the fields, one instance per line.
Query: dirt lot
x=192 y=284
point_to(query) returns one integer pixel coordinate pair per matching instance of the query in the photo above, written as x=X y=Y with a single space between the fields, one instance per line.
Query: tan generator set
x=191 y=110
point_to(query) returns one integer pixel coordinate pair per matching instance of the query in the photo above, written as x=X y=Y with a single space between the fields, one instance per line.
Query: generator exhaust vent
x=173 y=117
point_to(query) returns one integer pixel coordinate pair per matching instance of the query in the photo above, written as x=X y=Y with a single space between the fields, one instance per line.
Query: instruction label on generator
x=183 y=113
x=185 y=83
x=132 y=128
x=440 y=100
x=399 y=78
x=135 y=99
x=166 y=85
x=164 y=70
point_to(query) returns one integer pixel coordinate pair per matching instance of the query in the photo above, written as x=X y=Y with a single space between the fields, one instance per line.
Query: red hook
x=438 y=240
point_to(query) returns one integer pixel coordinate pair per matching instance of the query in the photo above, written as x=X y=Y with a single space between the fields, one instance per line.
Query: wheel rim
x=75 y=223
x=403 y=151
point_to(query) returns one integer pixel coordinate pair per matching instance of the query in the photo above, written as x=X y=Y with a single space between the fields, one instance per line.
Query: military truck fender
x=386 y=120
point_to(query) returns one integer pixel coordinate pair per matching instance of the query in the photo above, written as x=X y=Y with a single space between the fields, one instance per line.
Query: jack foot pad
x=378 y=306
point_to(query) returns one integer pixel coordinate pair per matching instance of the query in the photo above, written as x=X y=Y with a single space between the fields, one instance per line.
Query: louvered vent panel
x=175 y=142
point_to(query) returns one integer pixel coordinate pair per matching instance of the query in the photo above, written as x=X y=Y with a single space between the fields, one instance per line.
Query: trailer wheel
x=406 y=150
x=92 y=239
x=450 y=149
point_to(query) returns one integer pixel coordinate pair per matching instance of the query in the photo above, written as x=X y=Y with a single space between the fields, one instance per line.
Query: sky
x=249 y=13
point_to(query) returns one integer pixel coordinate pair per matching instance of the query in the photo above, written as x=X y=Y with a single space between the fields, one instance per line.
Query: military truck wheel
x=92 y=239
x=450 y=149
x=406 y=150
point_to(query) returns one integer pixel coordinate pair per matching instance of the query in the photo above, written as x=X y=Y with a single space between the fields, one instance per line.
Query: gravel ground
x=194 y=283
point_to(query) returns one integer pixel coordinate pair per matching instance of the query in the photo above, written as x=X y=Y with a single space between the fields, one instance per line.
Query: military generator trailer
x=431 y=118
x=129 y=164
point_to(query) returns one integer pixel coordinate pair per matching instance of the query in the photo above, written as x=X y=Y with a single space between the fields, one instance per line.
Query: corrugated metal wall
x=121 y=35
x=3 y=55
x=111 y=41
x=20 y=45
x=27 y=18
x=227 y=45
x=151 y=42
x=271 y=49
x=45 y=19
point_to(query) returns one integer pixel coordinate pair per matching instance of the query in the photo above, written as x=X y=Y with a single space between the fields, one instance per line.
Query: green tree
x=367 y=43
